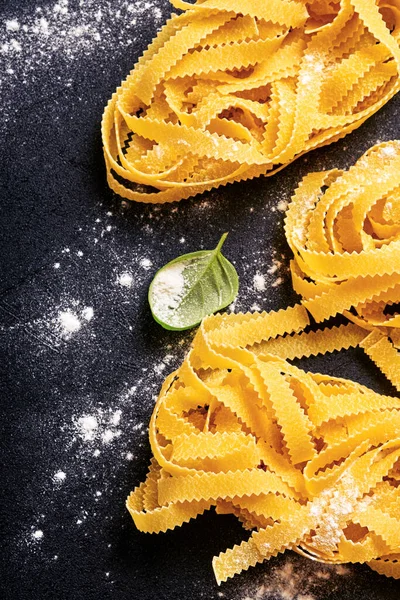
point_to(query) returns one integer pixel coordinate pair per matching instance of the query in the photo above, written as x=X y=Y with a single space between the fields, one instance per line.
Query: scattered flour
x=69 y=30
x=88 y=313
x=297 y=579
x=69 y=322
x=276 y=265
x=138 y=426
x=263 y=281
x=59 y=477
x=87 y=426
x=259 y=282
x=125 y=280
x=102 y=427
x=159 y=368
x=38 y=534
x=12 y=25
x=116 y=417
x=109 y=435
x=104 y=432
x=388 y=151
x=282 y=205
x=145 y=263
x=55 y=321
x=39 y=41
x=232 y=306
x=167 y=291
x=277 y=282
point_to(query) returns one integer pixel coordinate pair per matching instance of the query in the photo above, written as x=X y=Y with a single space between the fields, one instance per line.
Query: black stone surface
x=54 y=205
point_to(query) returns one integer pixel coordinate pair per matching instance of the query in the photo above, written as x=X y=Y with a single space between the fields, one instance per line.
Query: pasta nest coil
x=230 y=90
x=306 y=462
x=344 y=231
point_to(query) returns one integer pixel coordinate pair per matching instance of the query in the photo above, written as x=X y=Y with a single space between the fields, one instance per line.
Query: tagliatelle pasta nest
x=230 y=90
x=306 y=461
x=344 y=231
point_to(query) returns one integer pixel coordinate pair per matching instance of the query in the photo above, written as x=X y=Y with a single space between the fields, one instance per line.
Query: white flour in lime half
x=168 y=289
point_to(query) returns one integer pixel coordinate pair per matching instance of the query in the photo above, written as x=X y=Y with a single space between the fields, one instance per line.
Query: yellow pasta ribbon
x=344 y=231
x=306 y=461
x=231 y=90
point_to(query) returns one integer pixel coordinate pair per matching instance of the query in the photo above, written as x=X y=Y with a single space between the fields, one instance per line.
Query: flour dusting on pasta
x=229 y=91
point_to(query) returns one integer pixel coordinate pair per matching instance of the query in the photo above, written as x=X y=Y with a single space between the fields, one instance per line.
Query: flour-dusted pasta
x=306 y=461
x=232 y=90
x=344 y=231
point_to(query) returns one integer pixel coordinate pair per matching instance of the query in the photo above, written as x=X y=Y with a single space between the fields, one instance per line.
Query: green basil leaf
x=192 y=286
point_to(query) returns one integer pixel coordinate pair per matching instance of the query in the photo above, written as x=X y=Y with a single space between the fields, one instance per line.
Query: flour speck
x=278 y=281
x=282 y=205
x=116 y=417
x=87 y=426
x=167 y=291
x=37 y=37
x=259 y=282
x=296 y=579
x=88 y=313
x=12 y=25
x=109 y=435
x=69 y=322
x=59 y=477
x=145 y=263
x=125 y=279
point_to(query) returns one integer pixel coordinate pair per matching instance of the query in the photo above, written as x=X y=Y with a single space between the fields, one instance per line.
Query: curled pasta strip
x=230 y=90
x=344 y=231
x=306 y=461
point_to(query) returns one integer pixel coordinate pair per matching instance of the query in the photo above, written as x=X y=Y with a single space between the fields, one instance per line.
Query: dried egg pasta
x=344 y=231
x=230 y=90
x=306 y=461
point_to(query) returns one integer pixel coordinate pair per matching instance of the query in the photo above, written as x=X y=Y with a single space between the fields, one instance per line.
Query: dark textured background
x=54 y=197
